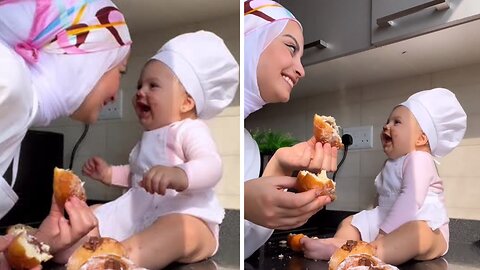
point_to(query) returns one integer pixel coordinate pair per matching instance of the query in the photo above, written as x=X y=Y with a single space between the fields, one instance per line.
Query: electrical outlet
x=113 y=110
x=362 y=137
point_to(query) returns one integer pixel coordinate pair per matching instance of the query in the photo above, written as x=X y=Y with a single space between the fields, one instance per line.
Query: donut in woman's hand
x=307 y=180
x=65 y=185
x=326 y=130
x=25 y=251
x=95 y=246
x=351 y=247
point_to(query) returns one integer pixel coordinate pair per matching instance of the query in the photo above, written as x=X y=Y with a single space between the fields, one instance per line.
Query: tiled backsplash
x=371 y=105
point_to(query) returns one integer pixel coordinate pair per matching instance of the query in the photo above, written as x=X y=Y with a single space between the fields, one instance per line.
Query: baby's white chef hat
x=205 y=67
x=440 y=116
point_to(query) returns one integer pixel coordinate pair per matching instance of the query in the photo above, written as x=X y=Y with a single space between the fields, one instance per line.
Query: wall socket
x=362 y=137
x=113 y=110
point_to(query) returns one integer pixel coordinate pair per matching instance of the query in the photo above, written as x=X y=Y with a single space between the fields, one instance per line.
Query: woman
x=273 y=47
x=57 y=58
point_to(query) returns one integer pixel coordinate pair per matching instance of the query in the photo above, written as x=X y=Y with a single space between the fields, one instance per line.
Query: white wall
x=371 y=105
x=113 y=139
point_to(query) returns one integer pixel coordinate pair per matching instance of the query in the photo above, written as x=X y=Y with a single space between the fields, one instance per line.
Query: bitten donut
x=95 y=246
x=25 y=251
x=351 y=247
x=326 y=130
x=65 y=185
x=293 y=241
x=307 y=180
x=109 y=262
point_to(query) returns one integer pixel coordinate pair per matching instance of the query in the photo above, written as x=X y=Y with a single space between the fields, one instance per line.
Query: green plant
x=269 y=141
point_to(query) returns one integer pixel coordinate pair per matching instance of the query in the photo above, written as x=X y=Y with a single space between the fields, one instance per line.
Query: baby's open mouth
x=143 y=107
x=386 y=138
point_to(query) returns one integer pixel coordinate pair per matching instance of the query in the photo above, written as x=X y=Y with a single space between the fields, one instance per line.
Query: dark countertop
x=228 y=254
x=463 y=254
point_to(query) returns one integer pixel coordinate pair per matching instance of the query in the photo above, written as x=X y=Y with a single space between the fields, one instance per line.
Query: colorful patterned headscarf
x=68 y=45
x=264 y=20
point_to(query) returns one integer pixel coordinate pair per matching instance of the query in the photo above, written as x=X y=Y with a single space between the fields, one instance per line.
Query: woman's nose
x=299 y=70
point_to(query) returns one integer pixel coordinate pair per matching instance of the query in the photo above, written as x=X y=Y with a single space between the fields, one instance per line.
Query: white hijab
x=61 y=79
x=264 y=21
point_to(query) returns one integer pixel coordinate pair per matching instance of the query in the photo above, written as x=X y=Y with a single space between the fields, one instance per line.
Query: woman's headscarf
x=264 y=21
x=68 y=46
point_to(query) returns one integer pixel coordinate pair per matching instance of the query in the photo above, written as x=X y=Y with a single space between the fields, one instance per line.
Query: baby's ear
x=422 y=140
x=188 y=104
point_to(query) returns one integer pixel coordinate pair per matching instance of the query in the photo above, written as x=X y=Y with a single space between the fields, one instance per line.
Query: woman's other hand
x=267 y=204
x=309 y=155
x=60 y=233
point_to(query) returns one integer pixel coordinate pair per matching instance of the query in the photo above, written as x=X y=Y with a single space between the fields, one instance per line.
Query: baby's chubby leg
x=322 y=249
x=413 y=240
x=172 y=238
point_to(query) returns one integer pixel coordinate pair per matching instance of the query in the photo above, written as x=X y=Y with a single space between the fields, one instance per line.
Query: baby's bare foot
x=319 y=249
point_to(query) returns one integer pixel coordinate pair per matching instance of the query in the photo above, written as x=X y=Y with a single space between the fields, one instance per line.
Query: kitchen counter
x=463 y=254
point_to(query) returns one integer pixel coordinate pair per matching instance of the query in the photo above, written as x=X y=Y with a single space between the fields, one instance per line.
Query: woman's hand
x=60 y=233
x=309 y=155
x=267 y=204
x=98 y=169
x=160 y=178
x=4 y=242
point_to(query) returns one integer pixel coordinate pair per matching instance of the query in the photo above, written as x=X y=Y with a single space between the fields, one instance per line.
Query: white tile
x=230 y=182
x=461 y=162
x=368 y=193
x=229 y=201
x=462 y=192
x=453 y=78
x=121 y=138
x=399 y=88
x=464 y=213
x=371 y=162
x=351 y=165
x=226 y=133
x=347 y=194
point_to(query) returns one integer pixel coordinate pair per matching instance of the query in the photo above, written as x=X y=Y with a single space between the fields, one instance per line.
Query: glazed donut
x=95 y=246
x=25 y=251
x=293 y=241
x=326 y=130
x=65 y=185
x=351 y=247
x=364 y=262
x=109 y=262
x=307 y=180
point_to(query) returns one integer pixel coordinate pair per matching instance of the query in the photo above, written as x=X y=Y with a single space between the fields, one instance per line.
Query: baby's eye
x=397 y=122
x=139 y=86
x=153 y=85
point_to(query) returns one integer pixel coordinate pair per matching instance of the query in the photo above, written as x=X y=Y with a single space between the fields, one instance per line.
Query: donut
x=109 y=262
x=351 y=247
x=65 y=185
x=25 y=251
x=307 y=180
x=95 y=246
x=326 y=130
x=293 y=241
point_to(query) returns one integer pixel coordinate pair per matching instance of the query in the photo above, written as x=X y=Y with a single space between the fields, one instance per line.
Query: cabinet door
x=394 y=20
x=343 y=25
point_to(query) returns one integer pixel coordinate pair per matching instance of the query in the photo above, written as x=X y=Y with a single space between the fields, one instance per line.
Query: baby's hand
x=159 y=178
x=98 y=169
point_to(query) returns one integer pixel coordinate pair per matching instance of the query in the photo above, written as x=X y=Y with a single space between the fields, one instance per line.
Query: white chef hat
x=440 y=116
x=206 y=69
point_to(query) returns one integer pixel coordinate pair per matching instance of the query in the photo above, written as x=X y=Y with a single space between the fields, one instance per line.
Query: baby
x=170 y=213
x=410 y=221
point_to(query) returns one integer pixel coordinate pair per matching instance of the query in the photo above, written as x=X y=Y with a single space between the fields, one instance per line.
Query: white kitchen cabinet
x=394 y=20
x=342 y=25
